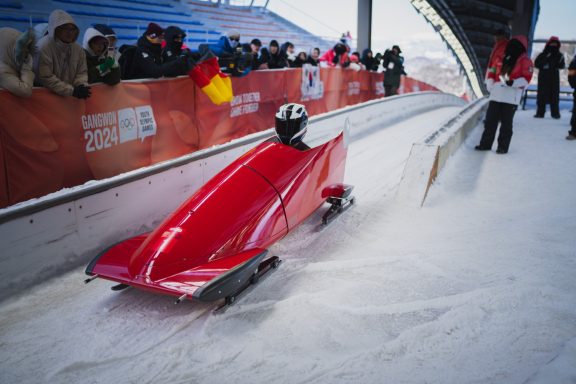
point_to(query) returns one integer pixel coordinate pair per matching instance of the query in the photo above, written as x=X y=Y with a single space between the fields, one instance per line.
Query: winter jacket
x=285 y=56
x=549 y=64
x=16 y=75
x=394 y=67
x=371 y=63
x=311 y=61
x=572 y=73
x=495 y=62
x=224 y=47
x=101 y=69
x=521 y=75
x=274 y=61
x=332 y=59
x=147 y=62
x=60 y=66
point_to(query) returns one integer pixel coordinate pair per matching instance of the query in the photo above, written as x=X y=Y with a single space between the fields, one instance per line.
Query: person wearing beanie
x=102 y=67
x=60 y=62
x=16 y=50
x=512 y=79
x=148 y=61
x=227 y=45
x=549 y=64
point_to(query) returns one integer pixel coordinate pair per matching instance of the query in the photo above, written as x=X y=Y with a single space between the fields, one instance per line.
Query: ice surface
x=478 y=286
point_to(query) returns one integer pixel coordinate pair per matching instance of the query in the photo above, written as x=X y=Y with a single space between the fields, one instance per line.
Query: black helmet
x=291 y=123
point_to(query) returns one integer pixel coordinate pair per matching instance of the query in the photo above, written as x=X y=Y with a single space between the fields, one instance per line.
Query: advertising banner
x=49 y=142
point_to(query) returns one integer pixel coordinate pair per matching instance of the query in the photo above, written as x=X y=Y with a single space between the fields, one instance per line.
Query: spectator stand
x=255 y=22
x=129 y=18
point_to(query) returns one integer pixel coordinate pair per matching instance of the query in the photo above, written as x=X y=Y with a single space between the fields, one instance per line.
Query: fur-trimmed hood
x=16 y=46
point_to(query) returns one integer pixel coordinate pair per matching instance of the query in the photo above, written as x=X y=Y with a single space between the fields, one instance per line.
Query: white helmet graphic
x=291 y=123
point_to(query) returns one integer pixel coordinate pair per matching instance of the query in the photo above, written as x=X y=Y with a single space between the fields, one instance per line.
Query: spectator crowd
x=50 y=56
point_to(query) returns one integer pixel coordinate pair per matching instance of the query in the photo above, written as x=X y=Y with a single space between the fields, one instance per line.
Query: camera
x=236 y=63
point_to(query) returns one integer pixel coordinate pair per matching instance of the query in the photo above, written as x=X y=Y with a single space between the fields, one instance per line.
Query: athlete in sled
x=215 y=244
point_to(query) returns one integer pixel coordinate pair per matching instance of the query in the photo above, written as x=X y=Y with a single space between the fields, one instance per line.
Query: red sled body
x=215 y=241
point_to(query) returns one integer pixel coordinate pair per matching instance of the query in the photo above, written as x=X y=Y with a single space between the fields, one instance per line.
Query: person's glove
x=81 y=92
x=509 y=82
x=106 y=65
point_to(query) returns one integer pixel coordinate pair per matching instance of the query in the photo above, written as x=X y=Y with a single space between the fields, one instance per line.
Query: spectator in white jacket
x=60 y=64
x=16 y=50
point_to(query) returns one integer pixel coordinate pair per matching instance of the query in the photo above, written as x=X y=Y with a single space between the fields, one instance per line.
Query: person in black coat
x=369 y=61
x=394 y=66
x=254 y=50
x=272 y=56
x=175 y=49
x=549 y=63
x=572 y=81
x=148 y=61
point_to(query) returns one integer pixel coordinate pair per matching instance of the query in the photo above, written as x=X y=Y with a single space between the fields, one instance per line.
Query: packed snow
x=477 y=286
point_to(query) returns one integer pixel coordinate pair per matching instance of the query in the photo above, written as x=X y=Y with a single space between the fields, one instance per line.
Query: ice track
x=476 y=287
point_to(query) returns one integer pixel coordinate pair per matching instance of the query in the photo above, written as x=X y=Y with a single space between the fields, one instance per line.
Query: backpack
x=126 y=61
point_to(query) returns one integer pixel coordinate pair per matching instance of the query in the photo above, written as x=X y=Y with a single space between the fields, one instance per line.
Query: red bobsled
x=216 y=242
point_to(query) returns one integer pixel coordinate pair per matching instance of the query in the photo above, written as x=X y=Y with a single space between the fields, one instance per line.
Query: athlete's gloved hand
x=509 y=82
x=81 y=92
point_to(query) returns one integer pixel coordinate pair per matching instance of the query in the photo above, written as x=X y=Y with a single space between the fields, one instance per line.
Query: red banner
x=48 y=142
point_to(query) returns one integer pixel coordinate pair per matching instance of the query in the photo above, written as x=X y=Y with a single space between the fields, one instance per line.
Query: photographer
x=394 y=66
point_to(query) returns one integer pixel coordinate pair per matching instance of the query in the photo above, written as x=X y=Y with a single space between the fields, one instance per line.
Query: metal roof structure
x=467 y=27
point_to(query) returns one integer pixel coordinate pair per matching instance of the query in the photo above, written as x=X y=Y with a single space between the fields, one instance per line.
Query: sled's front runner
x=215 y=244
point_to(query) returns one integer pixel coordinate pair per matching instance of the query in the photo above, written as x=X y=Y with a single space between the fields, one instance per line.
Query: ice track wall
x=42 y=238
x=428 y=157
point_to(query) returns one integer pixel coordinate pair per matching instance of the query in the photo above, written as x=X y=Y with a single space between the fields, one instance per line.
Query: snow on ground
x=477 y=286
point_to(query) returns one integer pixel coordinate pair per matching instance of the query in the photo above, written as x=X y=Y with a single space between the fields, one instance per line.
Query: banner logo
x=244 y=104
x=353 y=88
x=107 y=129
x=312 y=88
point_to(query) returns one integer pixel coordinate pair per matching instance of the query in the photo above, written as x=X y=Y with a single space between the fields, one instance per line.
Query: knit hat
x=154 y=29
x=233 y=33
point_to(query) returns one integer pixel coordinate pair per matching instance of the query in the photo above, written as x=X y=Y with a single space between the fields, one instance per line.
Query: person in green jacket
x=394 y=68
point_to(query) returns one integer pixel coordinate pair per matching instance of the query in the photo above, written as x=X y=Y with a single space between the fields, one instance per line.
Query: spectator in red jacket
x=511 y=80
x=336 y=57
x=501 y=38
